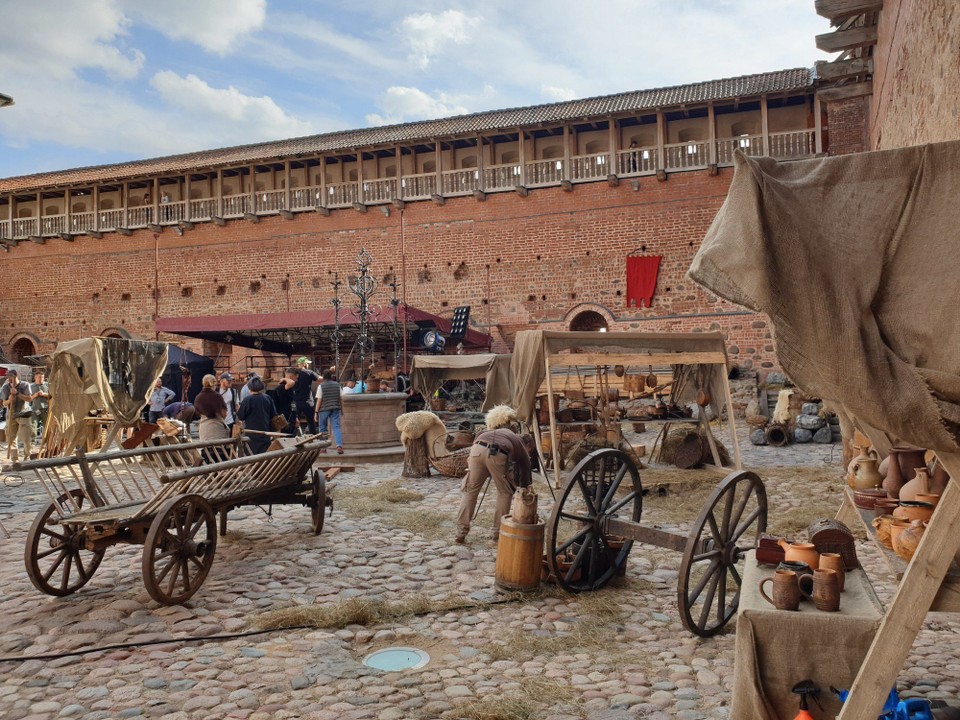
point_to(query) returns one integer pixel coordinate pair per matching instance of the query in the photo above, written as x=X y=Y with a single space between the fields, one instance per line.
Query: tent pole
x=728 y=398
x=554 y=438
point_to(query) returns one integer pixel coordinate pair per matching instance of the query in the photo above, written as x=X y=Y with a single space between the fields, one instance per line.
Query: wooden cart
x=163 y=498
x=596 y=516
x=596 y=520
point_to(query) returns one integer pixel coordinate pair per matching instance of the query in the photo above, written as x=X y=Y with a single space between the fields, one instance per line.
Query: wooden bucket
x=519 y=555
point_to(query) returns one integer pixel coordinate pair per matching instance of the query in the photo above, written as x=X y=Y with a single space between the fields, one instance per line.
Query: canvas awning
x=429 y=372
x=699 y=360
x=300 y=332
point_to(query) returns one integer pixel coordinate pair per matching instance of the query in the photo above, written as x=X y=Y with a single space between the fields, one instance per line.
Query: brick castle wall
x=521 y=262
x=916 y=93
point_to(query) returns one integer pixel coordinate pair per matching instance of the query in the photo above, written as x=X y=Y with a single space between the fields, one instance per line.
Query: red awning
x=238 y=324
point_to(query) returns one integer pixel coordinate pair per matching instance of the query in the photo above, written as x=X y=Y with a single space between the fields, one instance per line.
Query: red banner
x=642 y=279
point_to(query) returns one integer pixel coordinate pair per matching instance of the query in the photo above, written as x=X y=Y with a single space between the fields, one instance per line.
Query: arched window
x=21 y=349
x=51 y=210
x=24 y=212
x=78 y=207
x=588 y=320
x=552 y=151
x=594 y=147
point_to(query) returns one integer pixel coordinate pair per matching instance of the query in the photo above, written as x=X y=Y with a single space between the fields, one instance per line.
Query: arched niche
x=589 y=321
x=22 y=347
x=552 y=151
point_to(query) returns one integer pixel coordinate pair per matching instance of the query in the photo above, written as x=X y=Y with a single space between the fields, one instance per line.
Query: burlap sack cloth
x=776 y=649
x=855 y=259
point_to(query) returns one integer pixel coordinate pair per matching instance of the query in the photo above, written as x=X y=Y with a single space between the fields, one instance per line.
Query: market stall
x=854 y=260
x=430 y=372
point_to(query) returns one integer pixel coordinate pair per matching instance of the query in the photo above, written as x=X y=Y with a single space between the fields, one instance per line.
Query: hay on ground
x=362 y=501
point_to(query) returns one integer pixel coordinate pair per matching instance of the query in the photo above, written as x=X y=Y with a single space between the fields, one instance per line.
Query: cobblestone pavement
x=640 y=662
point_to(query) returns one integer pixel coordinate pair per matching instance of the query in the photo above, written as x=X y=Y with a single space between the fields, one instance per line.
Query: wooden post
x=661 y=132
x=480 y=164
x=567 y=170
x=155 y=211
x=817 y=126
x=220 y=193
x=95 y=199
x=554 y=436
x=764 y=125
x=187 y=214
x=286 y=184
x=712 y=122
x=323 y=182
x=910 y=605
x=125 y=203
x=612 y=136
x=252 y=191
x=522 y=142
x=67 y=210
x=728 y=398
x=439 y=163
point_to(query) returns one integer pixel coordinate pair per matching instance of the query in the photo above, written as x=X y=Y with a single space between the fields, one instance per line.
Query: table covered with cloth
x=776 y=649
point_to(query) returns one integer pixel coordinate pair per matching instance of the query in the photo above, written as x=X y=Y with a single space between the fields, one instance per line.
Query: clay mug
x=786 y=590
x=834 y=561
x=825 y=591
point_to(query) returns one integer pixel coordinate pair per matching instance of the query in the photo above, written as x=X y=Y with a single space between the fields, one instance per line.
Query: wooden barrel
x=519 y=555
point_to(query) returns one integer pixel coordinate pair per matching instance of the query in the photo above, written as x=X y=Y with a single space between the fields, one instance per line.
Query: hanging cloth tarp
x=854 y=258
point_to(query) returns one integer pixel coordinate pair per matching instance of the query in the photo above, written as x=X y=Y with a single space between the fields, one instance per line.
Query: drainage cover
x=397 y=658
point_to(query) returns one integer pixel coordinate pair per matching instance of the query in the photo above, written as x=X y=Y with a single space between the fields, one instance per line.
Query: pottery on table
x=834 y=561
x=897 y=527
x=824 y=589
x=865 y=474
x=909 y=539
x=800 y=552
x=928 y=498
x=885 y=506
x=882 y=525
x=800 y=568
x=920 y=484
x=913 y=510
x=901 y=468
x=786 y=590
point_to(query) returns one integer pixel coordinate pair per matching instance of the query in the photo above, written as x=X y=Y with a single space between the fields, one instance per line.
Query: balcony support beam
x=252 y=217
x=842 y=40
x=842 y=9
x=843 y=69
x=217 y=220
x=846 y=92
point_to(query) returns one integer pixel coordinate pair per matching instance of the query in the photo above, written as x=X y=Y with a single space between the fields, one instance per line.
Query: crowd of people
x=26 y=405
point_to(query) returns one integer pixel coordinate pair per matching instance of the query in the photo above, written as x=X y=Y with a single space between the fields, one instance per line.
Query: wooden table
x=775 y=649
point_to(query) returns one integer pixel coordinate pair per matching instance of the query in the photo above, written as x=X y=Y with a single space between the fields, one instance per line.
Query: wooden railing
x=341 y=195
x=545 y=172
x=269 y=201
x=501 y=177
x=459 y=182
x=422 y=186
x=236 y=205
x=686 y=155
x=749 y=144
x=418 y=187
x=801 y=143
x=379 y=191
x=589 y=167
x=637 y=161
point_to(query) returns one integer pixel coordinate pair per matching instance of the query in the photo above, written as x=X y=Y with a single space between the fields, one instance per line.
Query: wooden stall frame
x=604 y=360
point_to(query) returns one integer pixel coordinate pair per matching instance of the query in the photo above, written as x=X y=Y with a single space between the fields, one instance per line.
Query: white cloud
x=428 y=34
x=217 y=26
x=248 y=118
x=551 y=92
x=403 y=103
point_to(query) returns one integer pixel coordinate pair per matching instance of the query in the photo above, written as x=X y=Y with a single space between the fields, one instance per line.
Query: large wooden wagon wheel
x=57 y=561
x=729 y=525
x=318 y=502
x=179 y=549
x=581 y=555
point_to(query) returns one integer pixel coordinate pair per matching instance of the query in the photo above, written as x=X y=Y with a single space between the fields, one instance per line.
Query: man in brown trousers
x=497 y=453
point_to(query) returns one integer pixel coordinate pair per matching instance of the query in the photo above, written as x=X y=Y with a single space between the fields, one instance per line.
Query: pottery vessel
x=897 y=527
x=928 y=498
x=786 y=590
x=882 y=525
x=919 y=484
x=909 y=539
x=800 y=568
x=885 y=506
x=909 y=459
x=800 y=552
x=824 y=589
x=865 y=473
x=834 y=561
x=913 y=511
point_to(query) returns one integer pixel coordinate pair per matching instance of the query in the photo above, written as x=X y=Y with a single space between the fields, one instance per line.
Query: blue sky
x=102 y=81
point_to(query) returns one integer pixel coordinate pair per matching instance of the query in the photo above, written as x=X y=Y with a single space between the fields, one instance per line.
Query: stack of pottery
x=902 y=465
x=908 y=539
x=863 y=472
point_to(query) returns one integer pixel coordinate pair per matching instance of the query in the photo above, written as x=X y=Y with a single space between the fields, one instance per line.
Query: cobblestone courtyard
x=619 y=653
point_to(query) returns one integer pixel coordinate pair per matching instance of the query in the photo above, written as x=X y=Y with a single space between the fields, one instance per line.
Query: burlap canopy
x=531 y=346
x=429 y=372
x=854 y=258
x=109 y=374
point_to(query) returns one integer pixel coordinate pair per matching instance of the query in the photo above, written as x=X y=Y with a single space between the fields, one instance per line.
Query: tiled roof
x=425 y=130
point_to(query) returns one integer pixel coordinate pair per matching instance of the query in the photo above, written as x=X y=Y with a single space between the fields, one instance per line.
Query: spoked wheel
x=179 y=549
x=318 y=502
x=604 y=484
x=56 y=559
x=728 y=526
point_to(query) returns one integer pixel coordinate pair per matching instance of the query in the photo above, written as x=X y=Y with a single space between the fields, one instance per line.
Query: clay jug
x=800 y=552
x=919 y=484
x=909 y=539
x=882 y=525
x=825 y=592
x=909 y=459
x=893 y=480
x=938 y=483
x=865 y=473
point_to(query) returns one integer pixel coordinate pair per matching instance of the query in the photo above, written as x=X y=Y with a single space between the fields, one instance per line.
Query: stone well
x=369 y=420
